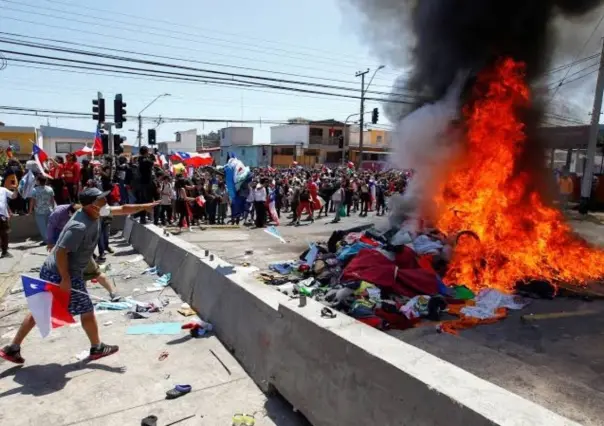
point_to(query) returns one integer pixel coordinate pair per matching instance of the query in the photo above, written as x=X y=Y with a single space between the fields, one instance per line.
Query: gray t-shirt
x=79 y=236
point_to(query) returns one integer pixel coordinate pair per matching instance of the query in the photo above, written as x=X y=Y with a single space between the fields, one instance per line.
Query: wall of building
x=230 y=136
x=250 y=155
x=292 y=134
x=61 y=146
x=21 y=138
x=185 y=141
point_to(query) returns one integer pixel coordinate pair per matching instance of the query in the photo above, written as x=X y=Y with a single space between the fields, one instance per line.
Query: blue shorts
x=79 y=303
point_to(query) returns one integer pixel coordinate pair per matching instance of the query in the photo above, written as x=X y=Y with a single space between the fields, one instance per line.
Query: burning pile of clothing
x=390 y=280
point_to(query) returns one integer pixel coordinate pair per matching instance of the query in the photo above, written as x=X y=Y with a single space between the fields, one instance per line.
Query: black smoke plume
x=449 y=36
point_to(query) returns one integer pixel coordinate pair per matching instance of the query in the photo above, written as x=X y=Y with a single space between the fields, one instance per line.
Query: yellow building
x=19 y=138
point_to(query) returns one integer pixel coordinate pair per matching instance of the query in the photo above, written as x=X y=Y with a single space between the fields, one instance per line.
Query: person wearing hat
x=65 y=266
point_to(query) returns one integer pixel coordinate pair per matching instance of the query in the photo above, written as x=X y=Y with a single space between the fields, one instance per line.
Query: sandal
x=178 y=391
x=327 y=313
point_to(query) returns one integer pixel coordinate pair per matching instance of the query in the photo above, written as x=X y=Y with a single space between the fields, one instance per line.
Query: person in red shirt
x=71 y=173
x=58 y=181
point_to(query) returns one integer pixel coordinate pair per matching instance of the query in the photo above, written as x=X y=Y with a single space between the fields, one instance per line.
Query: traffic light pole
x=108 y=127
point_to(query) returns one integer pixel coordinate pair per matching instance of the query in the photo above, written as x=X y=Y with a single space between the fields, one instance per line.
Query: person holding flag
x=65 y=266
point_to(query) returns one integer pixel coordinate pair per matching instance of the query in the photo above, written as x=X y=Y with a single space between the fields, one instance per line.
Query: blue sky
x=319 y=38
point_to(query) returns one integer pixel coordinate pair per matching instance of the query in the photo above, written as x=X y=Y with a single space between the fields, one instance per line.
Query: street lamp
x=140 y=120
x=363 y=91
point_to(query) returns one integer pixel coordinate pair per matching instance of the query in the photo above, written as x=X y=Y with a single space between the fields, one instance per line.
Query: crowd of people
x=73 y=205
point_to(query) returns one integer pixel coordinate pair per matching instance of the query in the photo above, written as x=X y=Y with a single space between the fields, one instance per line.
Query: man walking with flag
x=65 y=266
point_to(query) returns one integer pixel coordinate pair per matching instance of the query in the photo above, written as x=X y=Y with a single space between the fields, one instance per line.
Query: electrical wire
x=181 y=67
x=579 y=53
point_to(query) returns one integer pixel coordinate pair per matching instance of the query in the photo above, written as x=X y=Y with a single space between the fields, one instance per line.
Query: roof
x=17 y=129
x=61 y=132
x=330 y=122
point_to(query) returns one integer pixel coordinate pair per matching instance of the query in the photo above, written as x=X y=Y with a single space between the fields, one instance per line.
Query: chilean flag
x=97 y=147
x=40 y=157
x=193 y=159
x=48 y=304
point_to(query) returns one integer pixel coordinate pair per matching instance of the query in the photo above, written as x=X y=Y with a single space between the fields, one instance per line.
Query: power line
x=175 y=75
x=177 y=66
x=72 y=114
x=576 y=56
x=139 y=31
x=92 y=46
x=146 y=25
x=197 y=28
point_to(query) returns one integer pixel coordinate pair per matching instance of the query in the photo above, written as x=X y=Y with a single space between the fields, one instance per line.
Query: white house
x=60 y=141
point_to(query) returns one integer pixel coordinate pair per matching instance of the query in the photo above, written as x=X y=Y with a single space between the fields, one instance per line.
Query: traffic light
x=117 y=144
x=105 y=142
x=119 y=110
x=341 y=141
x=98 y=110
x=151 y=137
x=375 y=115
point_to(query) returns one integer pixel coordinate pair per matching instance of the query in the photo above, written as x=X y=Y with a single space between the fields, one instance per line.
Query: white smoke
x=427 y=142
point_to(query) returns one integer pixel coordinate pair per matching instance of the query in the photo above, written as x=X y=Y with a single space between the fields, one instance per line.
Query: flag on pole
x=273 y=232
x=200 y=200
x=48 y=304
x=40 y=157
x=96 y=149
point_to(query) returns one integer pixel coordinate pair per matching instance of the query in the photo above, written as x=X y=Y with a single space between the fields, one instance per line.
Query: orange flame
x=519 y=236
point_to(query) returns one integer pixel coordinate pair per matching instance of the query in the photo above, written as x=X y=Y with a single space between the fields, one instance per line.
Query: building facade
x=21 y=139
x=314 y=142
x=250 y=155
x=61 y=141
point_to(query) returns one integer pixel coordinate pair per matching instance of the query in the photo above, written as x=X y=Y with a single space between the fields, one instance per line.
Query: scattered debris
x=137 y=315
x=181 y=420
x=161 y=328
x=107 y=323
x=153 y=289
x=114 y=306
x=243 y=420
x=16 y=290
x=127 y=277
x=178 y=391
x=136 y=258
x=187 y=312
x=163 y=355
x=220 y=361
x=198 y=327
x=149 y=421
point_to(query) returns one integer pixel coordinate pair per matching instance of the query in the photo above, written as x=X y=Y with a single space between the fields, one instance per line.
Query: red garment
x=406 y=259
x=369 y=241
x=304 y=205
x=56 y=171
x=372 y=266
x=71 y=171
x=375 y=322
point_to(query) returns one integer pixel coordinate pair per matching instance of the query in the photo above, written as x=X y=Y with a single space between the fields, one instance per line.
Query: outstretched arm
x=127 y=209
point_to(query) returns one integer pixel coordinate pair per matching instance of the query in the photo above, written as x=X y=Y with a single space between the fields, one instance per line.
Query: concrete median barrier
x=335 y=371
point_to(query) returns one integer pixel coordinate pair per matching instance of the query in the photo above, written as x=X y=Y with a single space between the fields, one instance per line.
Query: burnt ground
x=555 y=362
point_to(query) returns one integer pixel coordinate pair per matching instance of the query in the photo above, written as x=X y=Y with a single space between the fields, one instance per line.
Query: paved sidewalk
x=54 y=388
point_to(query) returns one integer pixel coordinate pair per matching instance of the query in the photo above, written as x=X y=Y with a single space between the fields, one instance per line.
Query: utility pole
x=593 y=140
x=140 y=131
x=362 y=121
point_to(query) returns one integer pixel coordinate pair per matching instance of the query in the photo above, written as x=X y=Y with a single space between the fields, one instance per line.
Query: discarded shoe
x=178 y=391
x=149 y=421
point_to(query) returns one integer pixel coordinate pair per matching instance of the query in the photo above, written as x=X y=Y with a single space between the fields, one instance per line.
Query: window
x=333 y=157
x=312 y=152
x=378 y=139
x=283 y=151
x=67 y=147
x=316 y=132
